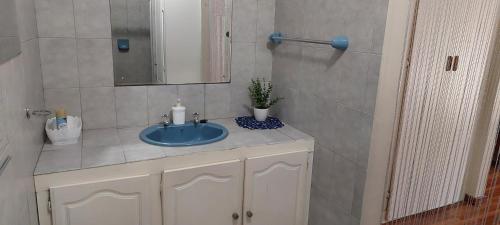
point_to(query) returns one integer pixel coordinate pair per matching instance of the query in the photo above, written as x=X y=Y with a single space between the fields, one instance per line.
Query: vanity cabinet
x=263 y=185
x=125 y=201
x=272 y=190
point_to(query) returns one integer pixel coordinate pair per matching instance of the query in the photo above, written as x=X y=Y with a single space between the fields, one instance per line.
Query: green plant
x=260 y=93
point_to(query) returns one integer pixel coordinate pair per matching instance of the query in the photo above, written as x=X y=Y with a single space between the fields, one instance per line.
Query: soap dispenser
x=179 y=113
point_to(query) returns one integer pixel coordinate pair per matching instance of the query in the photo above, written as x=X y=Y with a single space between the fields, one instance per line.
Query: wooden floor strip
x=482 y=212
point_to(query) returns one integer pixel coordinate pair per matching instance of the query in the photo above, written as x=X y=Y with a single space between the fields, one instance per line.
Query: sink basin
x=188 y=134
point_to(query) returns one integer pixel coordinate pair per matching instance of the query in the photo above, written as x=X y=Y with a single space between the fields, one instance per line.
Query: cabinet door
x=275 y=189
x=208 y=195
x=114 y=202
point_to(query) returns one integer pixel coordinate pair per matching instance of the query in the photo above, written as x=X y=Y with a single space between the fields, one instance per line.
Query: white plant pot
x=260 y=114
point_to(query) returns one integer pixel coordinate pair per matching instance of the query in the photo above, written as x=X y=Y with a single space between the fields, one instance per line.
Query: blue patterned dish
x=249 y=122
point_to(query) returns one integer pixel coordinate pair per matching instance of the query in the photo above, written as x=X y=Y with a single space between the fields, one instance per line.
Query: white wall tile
x=359 y=188
x=98 y=107
x=242 y=71
x=379 y=24
x=131 y=106
x=26 y=18
x=263 y=60
x=3 y=125
x=289 y=17
x=217 y=97
x=55 y=18
x=327 y=20
x=242 y=63
x=95 y=62
x=265 y=19
x=92 y=19
x=240 y=101
x=322 y=169
x=32 y=73
x=160 y=101
x=244 y=21
x=192 y=96
x=15 y=100
x=350 y=82
x=371 y=84
x=59 y=62
x=343 y=179
x=66 y=98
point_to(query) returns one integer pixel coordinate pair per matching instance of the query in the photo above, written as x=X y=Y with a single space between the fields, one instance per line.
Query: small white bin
x=66 y=135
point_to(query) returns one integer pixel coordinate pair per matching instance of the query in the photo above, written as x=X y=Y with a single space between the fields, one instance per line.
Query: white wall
x=330 y=94
x=20 y=87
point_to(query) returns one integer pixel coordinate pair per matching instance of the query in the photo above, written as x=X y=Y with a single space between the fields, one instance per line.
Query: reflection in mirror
x=171 y=41
x=132 y=60
x=9 y=39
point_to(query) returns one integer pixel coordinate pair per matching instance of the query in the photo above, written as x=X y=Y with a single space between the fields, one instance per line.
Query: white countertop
x=105 y=147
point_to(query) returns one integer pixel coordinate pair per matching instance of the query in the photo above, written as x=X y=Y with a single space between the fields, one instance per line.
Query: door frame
x=393 y=70
x=485 y=136
x=401 y=18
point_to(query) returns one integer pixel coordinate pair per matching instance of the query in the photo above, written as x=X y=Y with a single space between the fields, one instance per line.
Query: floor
x=481 y=212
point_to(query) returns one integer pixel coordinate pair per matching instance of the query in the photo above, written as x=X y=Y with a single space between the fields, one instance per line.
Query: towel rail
x=338 y=42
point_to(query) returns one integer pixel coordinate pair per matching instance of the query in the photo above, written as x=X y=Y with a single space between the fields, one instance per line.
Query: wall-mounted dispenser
x=123 y=45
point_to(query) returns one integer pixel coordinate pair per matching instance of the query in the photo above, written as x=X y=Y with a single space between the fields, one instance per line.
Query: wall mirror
x=9 y=38
x=171 y=41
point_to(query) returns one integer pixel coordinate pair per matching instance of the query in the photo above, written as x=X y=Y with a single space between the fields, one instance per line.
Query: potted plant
x=260 y=93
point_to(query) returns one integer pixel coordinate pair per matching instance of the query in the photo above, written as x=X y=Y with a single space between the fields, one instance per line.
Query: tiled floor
x=484 y=212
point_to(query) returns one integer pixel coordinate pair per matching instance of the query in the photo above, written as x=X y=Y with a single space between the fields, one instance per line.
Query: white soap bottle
x=179 y=113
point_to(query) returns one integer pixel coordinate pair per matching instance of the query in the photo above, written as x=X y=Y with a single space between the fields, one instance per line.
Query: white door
x=203 y=195
x=275 y=189
x=440 y=104
x=114 y=202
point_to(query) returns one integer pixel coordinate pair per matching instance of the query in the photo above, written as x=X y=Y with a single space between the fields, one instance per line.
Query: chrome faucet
x=196 y=118
x=165 y=119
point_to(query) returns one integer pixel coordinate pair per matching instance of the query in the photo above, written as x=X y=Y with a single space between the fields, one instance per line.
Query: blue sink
x=188 y=134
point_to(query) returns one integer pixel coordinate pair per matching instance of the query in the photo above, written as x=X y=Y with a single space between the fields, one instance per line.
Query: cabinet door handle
x=449 y=63
x=236 y=216
x=455 y=63
x=249 y=214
